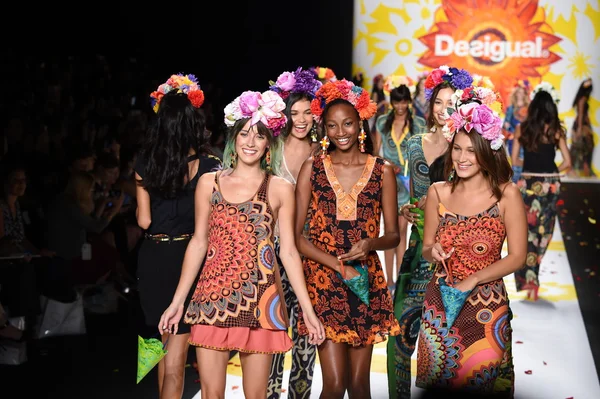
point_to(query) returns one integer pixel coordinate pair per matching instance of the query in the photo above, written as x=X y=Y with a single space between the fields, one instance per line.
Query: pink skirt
x=241 y=339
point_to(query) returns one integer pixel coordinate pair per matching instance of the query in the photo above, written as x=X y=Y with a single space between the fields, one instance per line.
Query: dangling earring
x=268 y=160
x=361 y=139
x=324 y=146
x=233 y=159
x=313 y=133
x=451 y=175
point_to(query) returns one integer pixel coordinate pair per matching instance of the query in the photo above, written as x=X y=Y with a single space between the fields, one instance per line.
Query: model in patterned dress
x=345 y=190
x=466 y=223
x=582 y=147
x=393 y=130
x=299 y=139
x=238 y=301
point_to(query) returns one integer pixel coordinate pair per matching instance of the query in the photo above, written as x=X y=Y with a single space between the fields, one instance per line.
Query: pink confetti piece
x=528 y=372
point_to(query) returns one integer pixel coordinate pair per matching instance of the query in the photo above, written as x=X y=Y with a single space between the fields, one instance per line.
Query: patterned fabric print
x=582 y=146
x=345 y=318
x=415 y=273
x=304 y=354
x=239 y=284
x=474 y=354
x=13 y=226
x=540 y=195
x=396 y=152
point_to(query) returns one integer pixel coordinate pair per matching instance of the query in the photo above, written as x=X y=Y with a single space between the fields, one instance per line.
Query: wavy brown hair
x=434 y=94
x=493 y=163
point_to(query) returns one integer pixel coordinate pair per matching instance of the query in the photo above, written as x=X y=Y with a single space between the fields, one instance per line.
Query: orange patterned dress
x=338 y=221
x=474 y=355
x=239 y=285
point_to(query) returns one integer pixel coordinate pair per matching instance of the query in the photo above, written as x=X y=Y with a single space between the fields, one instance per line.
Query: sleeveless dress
x=238 y=300
x=473 y=355
x=339 y=220
x=160 y=262
x=394 y=150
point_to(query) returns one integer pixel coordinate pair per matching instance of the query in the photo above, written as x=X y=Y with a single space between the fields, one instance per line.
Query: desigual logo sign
x=489 y=51
x=506 y=42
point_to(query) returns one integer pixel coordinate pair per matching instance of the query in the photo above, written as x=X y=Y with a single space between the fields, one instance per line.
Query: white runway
x=551 y=350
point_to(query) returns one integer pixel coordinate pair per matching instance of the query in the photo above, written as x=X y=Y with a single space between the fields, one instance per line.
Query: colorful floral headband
x=484 y=95
x=393 y=81
x=187 y=84
x=300 y=81
x=473 y=115
x=355 y=95
x=547 y=87
x=458 y=78
x=266 y=107
x=483 y=81
x=324 y=74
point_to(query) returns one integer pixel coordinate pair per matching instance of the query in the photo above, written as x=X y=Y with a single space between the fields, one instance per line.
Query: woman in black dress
x=172 y=159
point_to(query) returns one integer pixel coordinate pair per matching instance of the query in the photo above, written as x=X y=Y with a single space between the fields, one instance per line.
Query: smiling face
x=400 y=107
x=250 y=144
x=441 y=103
x=463 y=156
x=342 y=126
x=302 y=119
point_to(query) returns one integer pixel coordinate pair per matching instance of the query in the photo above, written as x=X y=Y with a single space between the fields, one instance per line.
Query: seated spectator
x=73 y=221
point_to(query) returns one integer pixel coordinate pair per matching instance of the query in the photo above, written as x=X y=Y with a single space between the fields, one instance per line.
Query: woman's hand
x=359 y=251
x=467 y=284
x=316 y=331
x=438 y=253
x=169 y=321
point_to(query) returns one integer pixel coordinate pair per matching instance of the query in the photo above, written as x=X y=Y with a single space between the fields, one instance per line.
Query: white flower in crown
x=547 y=87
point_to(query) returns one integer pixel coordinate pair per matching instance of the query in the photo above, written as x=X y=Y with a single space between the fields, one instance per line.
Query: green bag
x=150 y=352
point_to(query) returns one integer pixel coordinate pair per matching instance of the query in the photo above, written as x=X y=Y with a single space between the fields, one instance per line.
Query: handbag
x=60 y=318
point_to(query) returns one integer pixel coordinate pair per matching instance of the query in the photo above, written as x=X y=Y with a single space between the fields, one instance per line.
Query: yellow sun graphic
x=505 y=40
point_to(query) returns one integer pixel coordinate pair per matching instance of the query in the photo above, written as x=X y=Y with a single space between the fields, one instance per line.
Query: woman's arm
x=516 y=148
x=566 y=155
x=431 y=225
x=391 y=237
x=515 y=222
x=142 y=212
x=376 y=140
x=303 y=194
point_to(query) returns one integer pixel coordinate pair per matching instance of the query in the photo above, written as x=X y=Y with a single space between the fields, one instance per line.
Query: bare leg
x=388 y=256
x=255 y=374
x=171 y=369
x=334 y=368
x=360 y=369
x=212 y=367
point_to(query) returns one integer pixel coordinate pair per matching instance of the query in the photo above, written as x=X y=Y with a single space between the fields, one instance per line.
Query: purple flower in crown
x=460 y=78
x=300 y=81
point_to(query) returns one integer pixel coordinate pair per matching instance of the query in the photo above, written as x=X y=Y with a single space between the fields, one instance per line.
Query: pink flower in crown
x=455 y=122
x=286 y=81
x=352 y=97
x=465 y=113
x=486 y=122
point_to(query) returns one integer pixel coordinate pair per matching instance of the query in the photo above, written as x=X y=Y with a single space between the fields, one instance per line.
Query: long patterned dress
x=239 y=284
x=415 y=273
x=473 y=355
x=339 y=220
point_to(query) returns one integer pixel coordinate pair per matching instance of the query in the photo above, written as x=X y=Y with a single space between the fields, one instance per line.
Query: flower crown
x=547 y=87
x=324 y=74
x=475 y=108
x=458 y=78
x=355 y=95
x=266 y=107
x=187 y=84
x=300 y=81
x=393 y=81
x=483 y=81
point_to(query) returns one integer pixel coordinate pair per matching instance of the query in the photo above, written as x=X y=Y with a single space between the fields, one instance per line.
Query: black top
x=540 y=161
x=176 y=216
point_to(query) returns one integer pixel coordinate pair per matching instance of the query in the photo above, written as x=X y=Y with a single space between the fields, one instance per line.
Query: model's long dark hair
x=542 y=125
x=585 y=90
x=178 y=129
x=368 y=142
x=401 y=93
